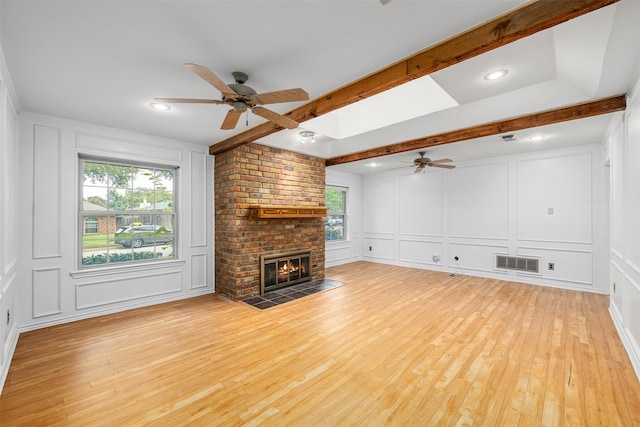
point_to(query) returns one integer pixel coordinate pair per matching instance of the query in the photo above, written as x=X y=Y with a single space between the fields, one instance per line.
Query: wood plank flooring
x=393 y=346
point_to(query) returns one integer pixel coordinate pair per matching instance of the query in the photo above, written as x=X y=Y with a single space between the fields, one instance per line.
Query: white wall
x=624 y=158
x=543 y=205
x=8 y=223
x=350 y=249
x=52 y=288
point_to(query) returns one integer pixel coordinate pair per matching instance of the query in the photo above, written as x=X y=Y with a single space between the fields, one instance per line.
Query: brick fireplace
x=255 y=174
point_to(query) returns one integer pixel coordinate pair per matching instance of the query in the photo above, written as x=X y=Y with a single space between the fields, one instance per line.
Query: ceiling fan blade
x=231 y=119
x=287 y=95
x=187 y=101
x=212 y=79
x=441 y=161
x=436 y=165
x=276 y=118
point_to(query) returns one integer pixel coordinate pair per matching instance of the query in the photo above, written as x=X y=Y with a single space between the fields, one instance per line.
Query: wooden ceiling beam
x=579 y=111
x=524 y=21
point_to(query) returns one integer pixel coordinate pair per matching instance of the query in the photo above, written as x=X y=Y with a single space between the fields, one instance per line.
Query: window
x=91 y=225
x=335 y=223
x=127 y=213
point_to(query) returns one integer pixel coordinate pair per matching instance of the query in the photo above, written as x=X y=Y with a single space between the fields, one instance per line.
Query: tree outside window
x=130 y=210
x=335 y=223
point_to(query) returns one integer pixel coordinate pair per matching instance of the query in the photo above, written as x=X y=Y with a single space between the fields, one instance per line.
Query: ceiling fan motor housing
x=239 y=105
x=240 y=77
x=245 y=94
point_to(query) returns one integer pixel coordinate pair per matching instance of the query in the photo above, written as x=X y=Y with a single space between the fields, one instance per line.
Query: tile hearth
x=280 y=296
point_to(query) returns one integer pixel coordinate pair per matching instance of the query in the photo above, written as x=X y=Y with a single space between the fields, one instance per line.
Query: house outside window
x=91 y=225
x=335 y=223
x=126 y=213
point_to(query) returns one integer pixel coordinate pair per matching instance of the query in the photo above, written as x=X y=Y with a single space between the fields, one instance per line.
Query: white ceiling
x=103 y=62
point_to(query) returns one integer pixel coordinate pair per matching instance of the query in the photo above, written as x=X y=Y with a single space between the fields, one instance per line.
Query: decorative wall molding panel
x=479 y=201
x=617 y=288
x=618 y=230
x=420 y=252
x=380 y=248
x=198 y=197
x=474 y=257
x=420 y=204
x=198 y=271
x=555 y=205
x=338 y=253
x=47 y=292
x=571 y=266
x=379 y=215
x=47 y=191
x=113 y=291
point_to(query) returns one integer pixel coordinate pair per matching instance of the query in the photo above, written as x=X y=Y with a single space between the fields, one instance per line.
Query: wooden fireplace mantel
x=271 y=211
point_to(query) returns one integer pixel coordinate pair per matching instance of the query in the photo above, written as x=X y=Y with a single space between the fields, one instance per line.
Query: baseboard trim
x=627 y=342
x=8 y=356
x=119 y=308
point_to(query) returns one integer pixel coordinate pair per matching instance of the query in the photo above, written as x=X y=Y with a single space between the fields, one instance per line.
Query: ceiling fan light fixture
x=495 y=75
x=160 y=106
x=307 y=136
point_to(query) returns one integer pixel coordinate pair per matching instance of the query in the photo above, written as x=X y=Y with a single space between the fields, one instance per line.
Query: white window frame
x=161 y=242
x=343 y=215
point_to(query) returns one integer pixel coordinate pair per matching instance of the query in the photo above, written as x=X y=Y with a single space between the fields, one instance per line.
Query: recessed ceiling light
x=160 y=106
x=537 y=137
x=495 y=75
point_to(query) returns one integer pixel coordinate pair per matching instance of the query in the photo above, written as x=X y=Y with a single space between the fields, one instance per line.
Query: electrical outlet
x=9 y=316
x=456 y=258
x=614 y=287
x=552 y=266
x=369 y=248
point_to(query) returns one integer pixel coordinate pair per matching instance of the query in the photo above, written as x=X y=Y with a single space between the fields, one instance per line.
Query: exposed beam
x=574 y=112
x=519 y=23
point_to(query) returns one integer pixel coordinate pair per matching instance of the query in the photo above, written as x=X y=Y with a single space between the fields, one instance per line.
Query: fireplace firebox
x=282 y=270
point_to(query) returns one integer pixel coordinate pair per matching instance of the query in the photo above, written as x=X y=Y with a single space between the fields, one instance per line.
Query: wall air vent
x=530 y=265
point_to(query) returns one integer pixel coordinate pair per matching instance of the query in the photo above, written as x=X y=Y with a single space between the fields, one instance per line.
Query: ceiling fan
x=423 y=162
x=242 y=98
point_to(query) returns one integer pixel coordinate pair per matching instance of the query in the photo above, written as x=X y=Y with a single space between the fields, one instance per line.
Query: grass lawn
x=93 y=241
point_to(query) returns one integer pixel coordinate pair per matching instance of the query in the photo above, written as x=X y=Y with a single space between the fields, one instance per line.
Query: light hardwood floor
x=393 y=346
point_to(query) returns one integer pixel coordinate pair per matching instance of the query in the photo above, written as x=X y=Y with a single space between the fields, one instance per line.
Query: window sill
x=336 y=242
x=96 y=272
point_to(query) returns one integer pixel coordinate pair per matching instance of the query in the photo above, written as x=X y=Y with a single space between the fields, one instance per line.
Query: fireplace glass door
x=282 y=270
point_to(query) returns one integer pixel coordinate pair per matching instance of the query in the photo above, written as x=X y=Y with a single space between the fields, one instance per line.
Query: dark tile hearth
x=280 y=296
